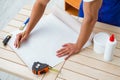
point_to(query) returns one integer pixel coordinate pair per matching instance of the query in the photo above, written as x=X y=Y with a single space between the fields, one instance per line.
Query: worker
x=108 y=13
x=91 y=11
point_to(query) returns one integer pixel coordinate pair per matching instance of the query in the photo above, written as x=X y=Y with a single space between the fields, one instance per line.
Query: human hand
x=68 y=49
x=20 y=37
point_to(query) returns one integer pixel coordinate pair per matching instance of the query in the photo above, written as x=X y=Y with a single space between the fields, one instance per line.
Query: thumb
x=70 y=54
x=23 y=38
x=65 y=45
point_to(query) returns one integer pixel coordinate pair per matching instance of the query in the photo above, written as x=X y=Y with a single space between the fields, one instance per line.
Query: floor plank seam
x=13 y=26
x=108 y=30
x=95 y=68
x=7 y=49
x=43 y=77
x=61 y=78
x=60 y=69
x=117 y=56
x=16 y=17
x=101 y=60
x=80 y=73
x=27 y=9
x=24 y=14
x=13 y=62
x=19 y=20
x=5 y=31
x=91 y=48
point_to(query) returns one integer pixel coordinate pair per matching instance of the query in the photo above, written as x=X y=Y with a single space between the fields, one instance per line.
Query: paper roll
x=71 y=22
x=67 y=19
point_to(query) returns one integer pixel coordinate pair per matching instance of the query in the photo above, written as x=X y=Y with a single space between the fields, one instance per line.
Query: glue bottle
x=109 y=48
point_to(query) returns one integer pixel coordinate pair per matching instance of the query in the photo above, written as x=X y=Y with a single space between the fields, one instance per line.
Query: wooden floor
x=87 y=65
x=6 y=76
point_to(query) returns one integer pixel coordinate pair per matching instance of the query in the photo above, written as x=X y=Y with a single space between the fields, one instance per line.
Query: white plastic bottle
x=109 y=48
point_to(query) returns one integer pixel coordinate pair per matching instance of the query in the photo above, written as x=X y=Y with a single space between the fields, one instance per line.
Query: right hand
x=20 y=37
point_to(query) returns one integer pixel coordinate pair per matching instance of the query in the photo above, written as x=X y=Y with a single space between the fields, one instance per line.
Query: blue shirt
x=109 y=12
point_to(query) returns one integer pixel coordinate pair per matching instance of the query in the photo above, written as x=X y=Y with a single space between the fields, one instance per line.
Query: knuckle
x=18 y=34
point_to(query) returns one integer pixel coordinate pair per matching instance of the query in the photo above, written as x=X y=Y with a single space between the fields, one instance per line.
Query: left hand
x=68 y=49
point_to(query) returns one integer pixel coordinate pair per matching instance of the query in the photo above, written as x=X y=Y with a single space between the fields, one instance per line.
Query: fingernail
x=58 y=55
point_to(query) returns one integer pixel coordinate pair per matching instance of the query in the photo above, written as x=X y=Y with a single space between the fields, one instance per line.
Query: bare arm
x=37 y=12
x=90 y=17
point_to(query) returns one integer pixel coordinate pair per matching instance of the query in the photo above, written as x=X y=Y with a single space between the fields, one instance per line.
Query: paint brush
x=24 y=24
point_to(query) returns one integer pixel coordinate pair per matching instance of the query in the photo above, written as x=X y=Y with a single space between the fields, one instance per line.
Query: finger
x=23 y=39
x=15 y=44
x=62 y=52
x=19 y=44
x=71 y=53
x=16 y=41
x=66 y=45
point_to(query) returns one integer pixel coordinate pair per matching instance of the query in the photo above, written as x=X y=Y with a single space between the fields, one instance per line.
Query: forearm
x=36 y=14
x=86 y=29
x=91 y=10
